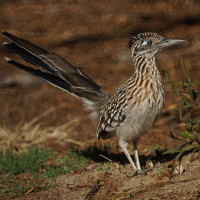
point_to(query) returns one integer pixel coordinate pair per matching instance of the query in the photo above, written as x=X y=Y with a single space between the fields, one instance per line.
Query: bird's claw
x=139 y=172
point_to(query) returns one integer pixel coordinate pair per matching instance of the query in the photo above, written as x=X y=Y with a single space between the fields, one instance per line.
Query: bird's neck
x=146 y=67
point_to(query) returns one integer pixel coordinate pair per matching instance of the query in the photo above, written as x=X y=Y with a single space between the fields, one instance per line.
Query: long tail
x=58 y=72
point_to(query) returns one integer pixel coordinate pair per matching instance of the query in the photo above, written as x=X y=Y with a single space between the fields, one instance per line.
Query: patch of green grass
x=28 y=161
x=51 y=171
x=159 y=172
x=35 y=164
x=3 y=179
x=4 y=188
x=100 y=168
x=120 y=167
x=19 y=190
x=27 y=170
x=68 y=163
x=33 y=160
x=155 y=149
x=76 y=160
x=132 y=194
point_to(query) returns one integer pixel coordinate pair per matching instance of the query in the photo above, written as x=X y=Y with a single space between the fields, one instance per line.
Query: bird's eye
x=144 y=42
x=147 y=42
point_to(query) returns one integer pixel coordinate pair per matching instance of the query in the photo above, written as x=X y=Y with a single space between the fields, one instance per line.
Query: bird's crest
x=142 y=36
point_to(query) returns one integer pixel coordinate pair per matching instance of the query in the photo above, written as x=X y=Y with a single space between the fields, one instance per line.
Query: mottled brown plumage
x=128 y=113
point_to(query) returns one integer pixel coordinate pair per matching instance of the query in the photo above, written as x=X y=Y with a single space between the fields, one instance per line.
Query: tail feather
x=33 y=59
x=60 y=72
x=42 y=75
x=25 y=44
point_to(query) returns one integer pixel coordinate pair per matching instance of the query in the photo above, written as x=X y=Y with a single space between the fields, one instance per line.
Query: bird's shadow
x=103 y=154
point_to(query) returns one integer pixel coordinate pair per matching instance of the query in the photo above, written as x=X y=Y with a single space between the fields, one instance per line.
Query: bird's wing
x=112 y=115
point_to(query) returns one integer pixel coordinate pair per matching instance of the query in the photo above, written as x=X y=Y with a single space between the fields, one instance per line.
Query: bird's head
x=149 y=44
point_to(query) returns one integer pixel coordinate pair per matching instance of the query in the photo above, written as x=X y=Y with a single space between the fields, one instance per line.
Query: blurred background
x=93 y=36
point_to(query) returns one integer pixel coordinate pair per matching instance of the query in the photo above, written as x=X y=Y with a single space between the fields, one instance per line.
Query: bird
x=128 y=113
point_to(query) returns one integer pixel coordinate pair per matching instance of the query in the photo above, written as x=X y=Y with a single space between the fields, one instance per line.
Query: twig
x=29 y=191
x=105 y=157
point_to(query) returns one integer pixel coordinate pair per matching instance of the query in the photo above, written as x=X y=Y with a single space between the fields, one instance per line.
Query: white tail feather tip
x=7 y=59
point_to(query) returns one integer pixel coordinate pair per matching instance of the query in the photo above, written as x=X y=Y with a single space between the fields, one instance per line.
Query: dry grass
x=31 y=133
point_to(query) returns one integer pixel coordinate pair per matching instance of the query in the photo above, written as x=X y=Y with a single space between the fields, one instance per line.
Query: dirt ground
x=115 y=183
x=94 y=35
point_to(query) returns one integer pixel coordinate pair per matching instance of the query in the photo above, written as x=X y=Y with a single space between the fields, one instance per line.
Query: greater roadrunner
x=128 y=113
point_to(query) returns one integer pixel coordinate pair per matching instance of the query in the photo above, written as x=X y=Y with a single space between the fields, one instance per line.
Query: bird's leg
x=130 y=159
x=123 y=146
x=139 y=170
x=136 y=156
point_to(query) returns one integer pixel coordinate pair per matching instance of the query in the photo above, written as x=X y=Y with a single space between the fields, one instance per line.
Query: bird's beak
x=170 y=42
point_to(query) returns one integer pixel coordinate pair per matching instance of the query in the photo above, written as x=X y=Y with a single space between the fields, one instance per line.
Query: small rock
x=179 y=169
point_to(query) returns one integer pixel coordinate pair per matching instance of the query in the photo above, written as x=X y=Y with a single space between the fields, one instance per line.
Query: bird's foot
x=143 y=172
x=139 y=172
